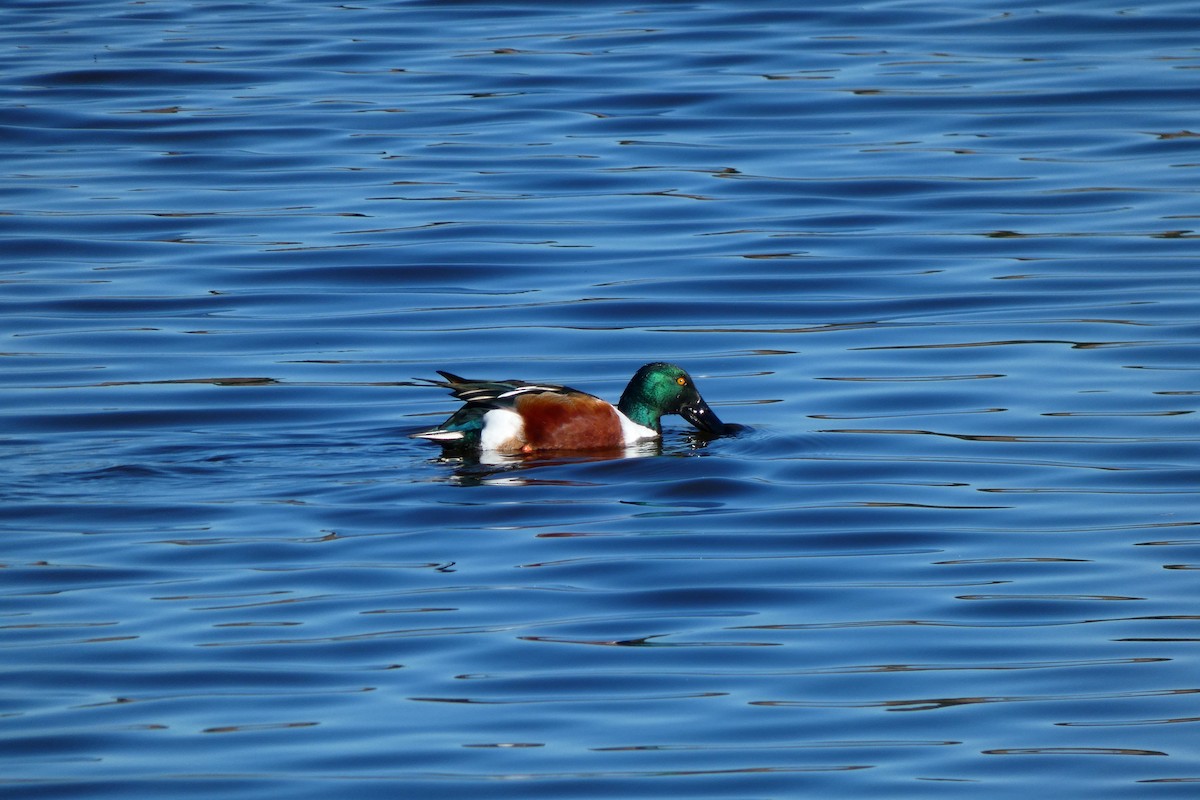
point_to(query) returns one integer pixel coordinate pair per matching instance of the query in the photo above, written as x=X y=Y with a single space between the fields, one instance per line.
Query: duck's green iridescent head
x=661 y=388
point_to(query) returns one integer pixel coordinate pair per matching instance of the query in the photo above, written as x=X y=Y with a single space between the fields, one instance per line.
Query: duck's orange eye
x=682 y=381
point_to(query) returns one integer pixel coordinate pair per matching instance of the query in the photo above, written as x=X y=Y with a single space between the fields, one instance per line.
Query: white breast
x=632 y=432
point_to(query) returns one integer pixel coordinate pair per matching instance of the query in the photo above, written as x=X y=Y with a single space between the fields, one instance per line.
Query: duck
x=512 y=416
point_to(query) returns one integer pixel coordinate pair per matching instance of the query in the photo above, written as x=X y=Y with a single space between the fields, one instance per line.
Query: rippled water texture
x=939 y=258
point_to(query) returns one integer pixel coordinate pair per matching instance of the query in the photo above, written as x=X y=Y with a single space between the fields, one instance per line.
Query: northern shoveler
x=520 y=417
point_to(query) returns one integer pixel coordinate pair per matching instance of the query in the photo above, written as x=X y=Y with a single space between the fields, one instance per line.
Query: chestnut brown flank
x=565 y=422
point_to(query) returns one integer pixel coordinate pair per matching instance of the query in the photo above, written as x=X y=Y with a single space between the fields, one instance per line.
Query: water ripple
x=938 y=262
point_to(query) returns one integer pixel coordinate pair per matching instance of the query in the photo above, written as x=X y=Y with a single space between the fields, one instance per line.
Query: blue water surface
x=940 y=260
